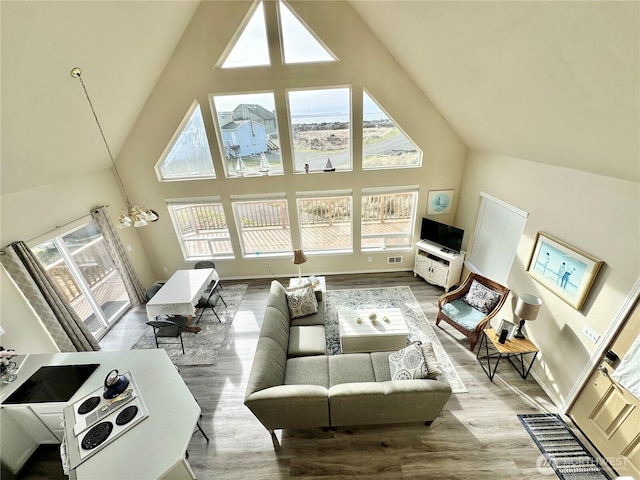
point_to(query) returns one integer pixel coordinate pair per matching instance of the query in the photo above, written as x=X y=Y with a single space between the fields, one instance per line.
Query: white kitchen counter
x=155 y=447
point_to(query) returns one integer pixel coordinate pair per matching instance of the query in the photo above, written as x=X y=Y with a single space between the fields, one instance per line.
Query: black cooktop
x=56 y=383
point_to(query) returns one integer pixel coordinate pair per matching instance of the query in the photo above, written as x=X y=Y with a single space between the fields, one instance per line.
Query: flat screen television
x=441 y=234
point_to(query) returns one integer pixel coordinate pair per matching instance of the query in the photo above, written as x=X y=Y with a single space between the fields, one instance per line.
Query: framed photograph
x=565 y=270
x=439 y=202
x=509 y=326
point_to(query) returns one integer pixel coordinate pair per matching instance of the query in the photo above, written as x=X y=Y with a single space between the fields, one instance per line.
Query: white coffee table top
x=388 y=322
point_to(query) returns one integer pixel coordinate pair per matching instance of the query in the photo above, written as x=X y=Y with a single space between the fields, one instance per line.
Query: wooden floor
x=477 y=435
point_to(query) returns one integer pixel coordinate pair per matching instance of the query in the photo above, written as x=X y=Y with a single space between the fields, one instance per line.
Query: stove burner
x=126 y=415
x=88 y=405
x=96 y=435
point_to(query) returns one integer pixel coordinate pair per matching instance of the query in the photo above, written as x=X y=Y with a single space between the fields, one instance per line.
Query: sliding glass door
x=79 y=264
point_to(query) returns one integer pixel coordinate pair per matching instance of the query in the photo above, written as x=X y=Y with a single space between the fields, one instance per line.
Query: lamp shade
x=298 y=257
x=527 y=307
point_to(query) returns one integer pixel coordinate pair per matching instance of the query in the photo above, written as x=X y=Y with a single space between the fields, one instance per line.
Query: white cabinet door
x=17 y=445
x=439 y=273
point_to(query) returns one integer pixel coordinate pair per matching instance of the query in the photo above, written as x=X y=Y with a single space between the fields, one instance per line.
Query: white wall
x=600 y=215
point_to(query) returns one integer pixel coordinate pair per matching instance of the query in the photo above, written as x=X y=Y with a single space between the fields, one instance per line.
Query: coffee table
x=359 y=333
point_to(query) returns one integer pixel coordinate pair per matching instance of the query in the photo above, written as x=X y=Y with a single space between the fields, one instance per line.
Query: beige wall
x=597 y=214
x=364 y=63
x=30 y=214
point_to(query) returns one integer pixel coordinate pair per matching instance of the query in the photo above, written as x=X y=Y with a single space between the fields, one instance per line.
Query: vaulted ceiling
x=551 y=82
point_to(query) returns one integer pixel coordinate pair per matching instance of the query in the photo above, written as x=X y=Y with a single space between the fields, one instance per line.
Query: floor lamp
x=298 y=259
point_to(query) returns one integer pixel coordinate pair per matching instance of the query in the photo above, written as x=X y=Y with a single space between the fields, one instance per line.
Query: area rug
x=562 y=450
x=202 y=348
x=389 y=297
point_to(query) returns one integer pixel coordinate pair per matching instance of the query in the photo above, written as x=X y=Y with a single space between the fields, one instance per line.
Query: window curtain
x=132 y=283
x=61 y=321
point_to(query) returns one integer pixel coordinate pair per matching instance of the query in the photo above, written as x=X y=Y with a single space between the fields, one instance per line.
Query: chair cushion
x=408 y=363
x=482 y=298
x=307 y=371
x=351 y=368
x=463 y=314
x=302 y=301
x=307 y=340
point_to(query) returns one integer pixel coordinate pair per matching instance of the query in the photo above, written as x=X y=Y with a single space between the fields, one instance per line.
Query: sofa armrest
x=290 y=406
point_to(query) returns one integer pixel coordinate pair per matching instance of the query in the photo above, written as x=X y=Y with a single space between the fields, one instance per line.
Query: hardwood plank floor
x=477 y=435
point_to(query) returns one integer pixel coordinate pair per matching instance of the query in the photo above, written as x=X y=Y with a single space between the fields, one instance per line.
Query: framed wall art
x=439 y=202
x=565 y=270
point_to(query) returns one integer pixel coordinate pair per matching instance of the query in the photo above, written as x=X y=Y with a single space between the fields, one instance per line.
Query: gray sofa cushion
x=352 y=367
x=380 y=362
x=276 y=326
x=313 y=319
x=278 y=298
x=308 y=371
x=309 y=340
x=268 y=367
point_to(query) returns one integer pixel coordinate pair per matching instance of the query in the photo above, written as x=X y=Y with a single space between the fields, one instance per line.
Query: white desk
x=181 y=293
x=358 y=333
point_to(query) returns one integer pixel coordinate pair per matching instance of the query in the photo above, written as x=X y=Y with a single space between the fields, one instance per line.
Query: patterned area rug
x=389 y=297
x=562 y=450
x=202 y=348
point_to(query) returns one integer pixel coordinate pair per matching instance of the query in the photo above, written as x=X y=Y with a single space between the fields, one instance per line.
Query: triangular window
x=187 y=156
x=252 y=48
x=300 y=45
x=384 y=145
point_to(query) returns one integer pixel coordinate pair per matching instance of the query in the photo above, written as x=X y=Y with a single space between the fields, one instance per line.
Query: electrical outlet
x=369 y=259
x=591 y=333
x=129 y=248
x=165 y=269
x=268 y=265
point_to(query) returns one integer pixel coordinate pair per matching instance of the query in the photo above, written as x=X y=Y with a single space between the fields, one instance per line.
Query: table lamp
x=298 y=259
x=527 y=308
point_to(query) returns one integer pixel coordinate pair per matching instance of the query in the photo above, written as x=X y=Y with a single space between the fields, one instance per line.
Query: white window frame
x=499 y=228
x=374 y=191
x=176 y=226
x=302 y=196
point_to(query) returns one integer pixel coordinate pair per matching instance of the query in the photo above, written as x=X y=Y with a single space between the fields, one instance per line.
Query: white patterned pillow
x=302 y=301
x=408 y=363
x=433 y=368
x=481 y=297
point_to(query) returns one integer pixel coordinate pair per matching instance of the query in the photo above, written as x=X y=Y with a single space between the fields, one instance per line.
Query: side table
x=515 y=348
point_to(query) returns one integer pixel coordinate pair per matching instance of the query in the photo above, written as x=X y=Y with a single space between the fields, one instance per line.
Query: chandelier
x=132 y=214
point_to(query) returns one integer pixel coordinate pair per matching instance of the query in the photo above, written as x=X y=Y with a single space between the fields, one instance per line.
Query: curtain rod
x=57 y=227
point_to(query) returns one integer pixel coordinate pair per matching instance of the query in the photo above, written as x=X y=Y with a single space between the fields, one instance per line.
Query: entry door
x=608 y=413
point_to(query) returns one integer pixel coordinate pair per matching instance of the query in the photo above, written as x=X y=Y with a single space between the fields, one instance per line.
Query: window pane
x=189 y=156
x=299 y=44
x=384 y=145
x=263 y=226
x=321 y=128
x=249 y=132
x=251 y=49
x=80 y=266
x=387 y=220
x=202 y=230
x=325 y=223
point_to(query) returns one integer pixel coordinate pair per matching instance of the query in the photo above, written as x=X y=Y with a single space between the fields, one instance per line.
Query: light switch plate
x=591 y=333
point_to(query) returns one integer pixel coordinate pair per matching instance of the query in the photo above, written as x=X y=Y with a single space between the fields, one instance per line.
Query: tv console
x=438 y=265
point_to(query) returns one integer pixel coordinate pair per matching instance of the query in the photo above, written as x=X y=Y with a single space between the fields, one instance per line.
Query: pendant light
x=132 y=214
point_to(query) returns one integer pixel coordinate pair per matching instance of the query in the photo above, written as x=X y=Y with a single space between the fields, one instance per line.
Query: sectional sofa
x=294 y=384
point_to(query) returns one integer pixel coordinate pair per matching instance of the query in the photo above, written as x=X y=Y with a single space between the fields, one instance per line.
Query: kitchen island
x=155 y=447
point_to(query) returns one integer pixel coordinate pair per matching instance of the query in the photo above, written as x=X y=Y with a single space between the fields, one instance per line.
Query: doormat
x=563 y=451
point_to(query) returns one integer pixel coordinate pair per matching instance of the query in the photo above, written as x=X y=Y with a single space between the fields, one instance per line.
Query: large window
x=248 y=134
x=321 y=129
x=201 y=227
x=388 y=218
x=80 y=266
x=263 y=225
x=325 y=221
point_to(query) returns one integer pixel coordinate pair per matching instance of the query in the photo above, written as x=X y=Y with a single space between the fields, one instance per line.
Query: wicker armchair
x=467 y=319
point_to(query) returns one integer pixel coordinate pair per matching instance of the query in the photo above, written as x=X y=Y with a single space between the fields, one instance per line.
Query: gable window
x=388 y=218
x=496 y=237
x=248 y=134
x=299 y=44
x=325 y=221
x=251 y=49
x=384 y=144
x=263 y=224
x=201 y=228
x=187 y=156
x=321 y=128
x=80 y=266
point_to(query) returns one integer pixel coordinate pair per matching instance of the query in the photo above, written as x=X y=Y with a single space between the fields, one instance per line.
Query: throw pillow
x=302 y=301
x=481 y=297
x=408 y=363
x=433 y=368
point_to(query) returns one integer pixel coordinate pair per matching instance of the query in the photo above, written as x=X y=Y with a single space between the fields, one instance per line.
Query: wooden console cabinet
x=437 y=265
